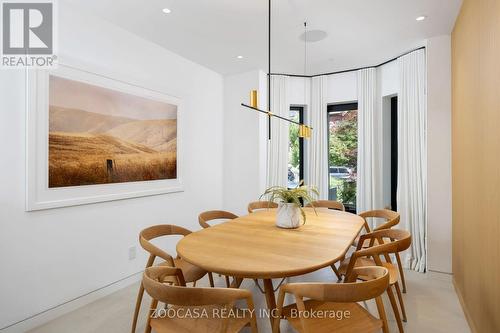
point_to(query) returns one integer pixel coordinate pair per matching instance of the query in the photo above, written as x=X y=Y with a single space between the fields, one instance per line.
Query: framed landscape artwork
x=92 y=138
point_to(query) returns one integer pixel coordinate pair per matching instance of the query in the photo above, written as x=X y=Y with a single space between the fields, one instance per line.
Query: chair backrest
x=252 y=206
x=392 y=218
x=388 y=241
x=204 y=217
x=330 y=204
x=376 y=283
x=401 y=238
x=344 y=292
x=156 y=231
x=186 y=296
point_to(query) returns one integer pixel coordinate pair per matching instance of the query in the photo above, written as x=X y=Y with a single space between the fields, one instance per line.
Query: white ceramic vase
x=288 y=216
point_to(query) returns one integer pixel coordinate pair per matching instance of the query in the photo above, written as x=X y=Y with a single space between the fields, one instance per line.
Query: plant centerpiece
x=290 y=203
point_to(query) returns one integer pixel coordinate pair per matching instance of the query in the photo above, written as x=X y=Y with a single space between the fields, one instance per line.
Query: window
x=343 y=153
x=394 y=152
x=295 y=149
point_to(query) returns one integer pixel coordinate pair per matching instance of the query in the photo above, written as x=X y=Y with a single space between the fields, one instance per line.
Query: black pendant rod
x=269 y=114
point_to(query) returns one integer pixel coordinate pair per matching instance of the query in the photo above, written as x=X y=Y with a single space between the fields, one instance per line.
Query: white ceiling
x=213 y=32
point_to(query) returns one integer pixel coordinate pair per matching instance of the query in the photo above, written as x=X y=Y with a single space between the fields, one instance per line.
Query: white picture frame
x=38 y=194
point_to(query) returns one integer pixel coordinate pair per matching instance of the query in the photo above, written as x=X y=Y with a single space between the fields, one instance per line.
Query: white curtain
x=277 y=161
x=369 y=194
x=316 y=163
x=412 y=154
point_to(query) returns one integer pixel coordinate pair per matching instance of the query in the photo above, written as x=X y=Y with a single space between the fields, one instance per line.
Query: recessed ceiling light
x=240 y=57
x=421 y=18
x=166 y=10
x=312 y=36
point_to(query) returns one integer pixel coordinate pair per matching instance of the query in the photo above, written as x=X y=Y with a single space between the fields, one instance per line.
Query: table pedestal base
x=270 y=300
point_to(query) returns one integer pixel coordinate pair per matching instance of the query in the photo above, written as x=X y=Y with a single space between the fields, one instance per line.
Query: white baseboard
x=71 y=305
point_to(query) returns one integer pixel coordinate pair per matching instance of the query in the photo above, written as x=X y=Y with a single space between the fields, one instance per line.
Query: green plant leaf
x=298 y=196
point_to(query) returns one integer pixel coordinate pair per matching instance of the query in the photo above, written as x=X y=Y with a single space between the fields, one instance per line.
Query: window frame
x=394 y=152
x=300 y=110
x=335 y=108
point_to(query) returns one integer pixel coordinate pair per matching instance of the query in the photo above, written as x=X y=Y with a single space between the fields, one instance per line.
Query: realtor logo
x=28 y=34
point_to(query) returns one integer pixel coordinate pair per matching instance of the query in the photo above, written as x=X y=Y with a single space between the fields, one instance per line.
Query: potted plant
x=290 y=203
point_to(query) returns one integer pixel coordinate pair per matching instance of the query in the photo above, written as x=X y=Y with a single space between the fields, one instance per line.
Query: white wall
x=300 y=91
x=439 y=224
x=342 y=88
x=438 y=146
x=387 y=87
x=245 y=141
x=53 y=256
x=388 y=75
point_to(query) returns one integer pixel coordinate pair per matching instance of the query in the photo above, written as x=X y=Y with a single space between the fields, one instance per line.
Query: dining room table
x=253 y=247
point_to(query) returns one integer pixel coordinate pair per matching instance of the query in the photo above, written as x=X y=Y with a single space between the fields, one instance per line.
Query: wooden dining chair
x=336 y=298
x=209 y=303
x=383 y=244
x=330 y=204
x=256 y=205
x=190 y=272
x=211 y=215
x=391 y=219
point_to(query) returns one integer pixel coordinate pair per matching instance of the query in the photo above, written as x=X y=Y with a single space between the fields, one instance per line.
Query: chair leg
x=336 y=271
x=401 y=303
x=401 y=272
x=137 y=307
x=382 y=315
x=150 y=262
x=395 y=309
x=258 y=286
x=211 y=279
x=279 y=284
x=236 y=283
x=154 y=305
x=228 y=282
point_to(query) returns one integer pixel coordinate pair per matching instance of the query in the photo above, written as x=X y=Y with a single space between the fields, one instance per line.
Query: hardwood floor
x=431 y=301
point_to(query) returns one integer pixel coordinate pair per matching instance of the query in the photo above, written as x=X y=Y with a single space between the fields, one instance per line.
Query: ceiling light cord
x=305 y=59
x=305 y=47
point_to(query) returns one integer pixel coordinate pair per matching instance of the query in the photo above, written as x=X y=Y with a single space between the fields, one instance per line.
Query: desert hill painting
x=100 y=136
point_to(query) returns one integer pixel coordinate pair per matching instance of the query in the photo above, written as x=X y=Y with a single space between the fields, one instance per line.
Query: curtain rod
x=350 y=70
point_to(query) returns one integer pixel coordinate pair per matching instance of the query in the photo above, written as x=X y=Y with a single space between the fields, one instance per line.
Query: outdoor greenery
x=344 y=141
x=294 y=143
x=343 y=152
x=347 y=192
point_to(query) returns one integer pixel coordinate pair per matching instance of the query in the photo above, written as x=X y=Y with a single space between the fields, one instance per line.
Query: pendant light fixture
x=304 y=130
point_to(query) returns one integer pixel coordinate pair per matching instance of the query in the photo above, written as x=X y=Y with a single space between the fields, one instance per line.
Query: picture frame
x=38 y=194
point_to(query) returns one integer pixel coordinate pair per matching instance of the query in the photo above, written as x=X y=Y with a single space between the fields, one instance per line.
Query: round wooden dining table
x=252 y=246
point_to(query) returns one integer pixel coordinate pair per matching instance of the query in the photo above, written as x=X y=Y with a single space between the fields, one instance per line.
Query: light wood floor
x=431 y=302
